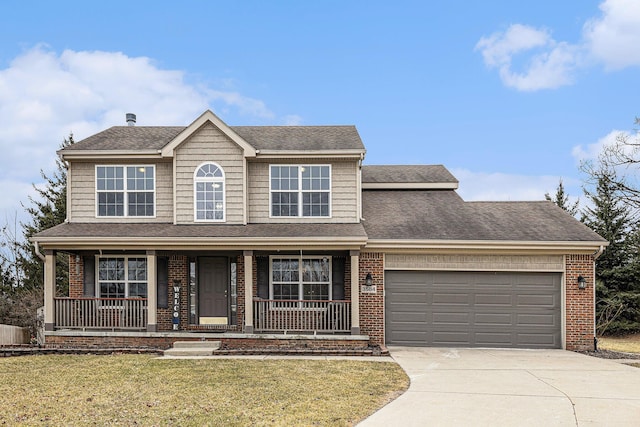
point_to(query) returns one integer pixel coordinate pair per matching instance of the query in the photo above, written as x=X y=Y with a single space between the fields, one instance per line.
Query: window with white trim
x=300 y=190
x=125 y=191
x=209 y=193
x=295 y=278
x=122 y=277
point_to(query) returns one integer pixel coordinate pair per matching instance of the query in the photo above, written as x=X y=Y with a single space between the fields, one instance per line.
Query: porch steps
x=193 y=348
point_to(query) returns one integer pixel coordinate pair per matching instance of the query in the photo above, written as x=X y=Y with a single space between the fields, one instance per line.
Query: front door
x=213 y=280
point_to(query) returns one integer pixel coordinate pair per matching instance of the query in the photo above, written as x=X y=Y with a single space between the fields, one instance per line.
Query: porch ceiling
x=201 y=236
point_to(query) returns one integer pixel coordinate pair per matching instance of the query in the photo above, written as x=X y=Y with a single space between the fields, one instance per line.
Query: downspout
x=36 y=249
x=595 y=255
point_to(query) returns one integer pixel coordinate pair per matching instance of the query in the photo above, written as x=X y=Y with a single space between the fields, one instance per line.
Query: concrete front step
x=196 y=344
x=193 y=348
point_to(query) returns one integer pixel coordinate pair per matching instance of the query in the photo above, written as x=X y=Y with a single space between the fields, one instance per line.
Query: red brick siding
x=580 y=314
x=240 y=290
x=372 y=305
x=178 y=271
x=76 y=277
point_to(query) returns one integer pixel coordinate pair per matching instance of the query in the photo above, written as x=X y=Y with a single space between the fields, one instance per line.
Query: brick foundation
x=580 y=314
x=236 y=343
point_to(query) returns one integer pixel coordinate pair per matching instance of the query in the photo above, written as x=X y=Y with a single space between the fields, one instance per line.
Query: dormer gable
x=207 y=117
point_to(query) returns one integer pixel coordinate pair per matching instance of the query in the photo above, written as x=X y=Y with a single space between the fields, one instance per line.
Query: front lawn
x=142 y=390
x=624 y=344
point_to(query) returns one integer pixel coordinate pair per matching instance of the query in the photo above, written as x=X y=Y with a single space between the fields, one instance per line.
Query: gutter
x=598 y=252
x=37 y=251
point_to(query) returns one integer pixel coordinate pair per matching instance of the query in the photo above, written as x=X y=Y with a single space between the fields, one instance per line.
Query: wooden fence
x=12 y=335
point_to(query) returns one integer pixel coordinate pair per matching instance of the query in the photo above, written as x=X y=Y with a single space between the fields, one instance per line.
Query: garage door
x=472 y=309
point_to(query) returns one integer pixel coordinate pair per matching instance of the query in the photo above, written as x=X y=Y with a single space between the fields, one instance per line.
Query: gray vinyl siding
x=208 y=144
x=344 y=192
x=83 y=192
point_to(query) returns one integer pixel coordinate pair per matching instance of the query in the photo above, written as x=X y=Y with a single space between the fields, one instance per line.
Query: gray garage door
x=472 y=309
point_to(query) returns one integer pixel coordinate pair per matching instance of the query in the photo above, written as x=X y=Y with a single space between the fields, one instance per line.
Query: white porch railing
x=302 y=316
x=100 y=313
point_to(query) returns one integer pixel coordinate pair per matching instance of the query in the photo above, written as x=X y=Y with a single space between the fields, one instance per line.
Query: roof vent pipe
x=131 y=119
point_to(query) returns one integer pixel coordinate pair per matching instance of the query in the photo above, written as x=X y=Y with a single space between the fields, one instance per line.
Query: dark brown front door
x=213 y=280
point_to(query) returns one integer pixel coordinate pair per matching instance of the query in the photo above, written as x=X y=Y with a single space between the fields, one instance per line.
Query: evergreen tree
x=561 y=198
x=47 y=210
x=618 y=268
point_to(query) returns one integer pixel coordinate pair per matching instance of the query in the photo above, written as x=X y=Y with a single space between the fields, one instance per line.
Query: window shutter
x=262 y=267
x=89 y=288
x=337 y=277
x=162 y=277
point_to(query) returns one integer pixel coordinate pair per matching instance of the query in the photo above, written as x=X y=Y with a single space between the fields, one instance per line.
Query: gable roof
x=408 y=177
x=443 y=216
x=208 y=117
x=266 y=139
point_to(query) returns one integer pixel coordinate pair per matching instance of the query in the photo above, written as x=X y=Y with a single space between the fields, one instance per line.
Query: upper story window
x=125 y=191
x=209 y=193
x=300 y=190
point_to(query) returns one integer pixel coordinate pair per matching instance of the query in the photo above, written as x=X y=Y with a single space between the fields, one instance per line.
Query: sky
x=509 y=96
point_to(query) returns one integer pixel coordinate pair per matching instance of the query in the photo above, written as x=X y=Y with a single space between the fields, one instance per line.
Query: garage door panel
x=505 y=300
x=483 y=309
x=451 y=318
x=532 y=340
x=460 y=298
x=493 y=319
x=537 y=320
x=537 y=301
x=450 y=338
x=415 y=316
x=493 y=339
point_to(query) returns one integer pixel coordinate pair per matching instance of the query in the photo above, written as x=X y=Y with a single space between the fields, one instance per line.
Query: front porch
x=130 y=314
x=170 y=306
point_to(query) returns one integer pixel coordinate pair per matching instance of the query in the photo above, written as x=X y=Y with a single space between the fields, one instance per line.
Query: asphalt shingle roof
x=406 y=174
x=443 y=215
x=167 y=230
x=281 y=138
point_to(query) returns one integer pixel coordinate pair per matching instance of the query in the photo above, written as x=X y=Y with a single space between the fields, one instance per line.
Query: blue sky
x=510 y=96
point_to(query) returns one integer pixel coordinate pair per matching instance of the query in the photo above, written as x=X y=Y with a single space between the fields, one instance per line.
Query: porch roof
x=167 y=235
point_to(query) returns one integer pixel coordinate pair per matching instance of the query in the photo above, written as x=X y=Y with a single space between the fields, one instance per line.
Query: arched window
x=209 y=193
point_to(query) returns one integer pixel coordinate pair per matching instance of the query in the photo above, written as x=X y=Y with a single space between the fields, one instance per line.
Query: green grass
x=626 y=343
x=141 y=390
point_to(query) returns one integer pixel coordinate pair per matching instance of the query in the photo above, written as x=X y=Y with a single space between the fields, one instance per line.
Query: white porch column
x=248 y=292
x=152 y=292
x=355 y=292
x=49 y=289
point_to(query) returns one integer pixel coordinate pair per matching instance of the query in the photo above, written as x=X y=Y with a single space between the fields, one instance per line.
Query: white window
x=295 y=278
x=208 y=186
x=300 y=190
x=122 y=277
x=123 y=191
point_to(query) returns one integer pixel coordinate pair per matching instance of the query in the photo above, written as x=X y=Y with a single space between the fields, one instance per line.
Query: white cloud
x=45 y=95
x=549 y=68
x=481 y=186
x=614 y=37
x=611 y=39
x=591 y=152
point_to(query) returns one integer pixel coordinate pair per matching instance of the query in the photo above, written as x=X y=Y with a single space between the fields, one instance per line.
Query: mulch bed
x=608 y=354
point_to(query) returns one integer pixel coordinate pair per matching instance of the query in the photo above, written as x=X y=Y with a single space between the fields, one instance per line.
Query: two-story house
x=273 y=236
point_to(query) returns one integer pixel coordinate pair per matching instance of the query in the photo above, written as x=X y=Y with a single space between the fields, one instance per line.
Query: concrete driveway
x=488 y=387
